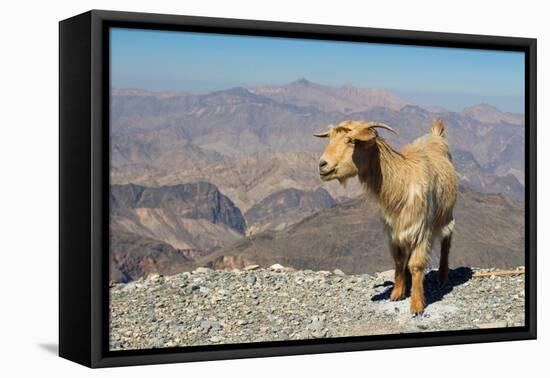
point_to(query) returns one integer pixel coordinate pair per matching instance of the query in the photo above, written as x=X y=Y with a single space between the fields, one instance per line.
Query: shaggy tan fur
x=415 y=189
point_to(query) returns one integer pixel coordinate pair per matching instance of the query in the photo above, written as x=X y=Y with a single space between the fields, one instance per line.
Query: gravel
x=208 y=306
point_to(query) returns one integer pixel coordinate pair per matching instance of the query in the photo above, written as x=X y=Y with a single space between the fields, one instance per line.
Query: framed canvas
x=235 y=188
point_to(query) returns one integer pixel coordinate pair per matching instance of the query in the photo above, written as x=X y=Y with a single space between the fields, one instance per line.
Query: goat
x=415 y=189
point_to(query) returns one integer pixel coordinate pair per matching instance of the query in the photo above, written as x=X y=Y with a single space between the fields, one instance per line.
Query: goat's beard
x=343 y=181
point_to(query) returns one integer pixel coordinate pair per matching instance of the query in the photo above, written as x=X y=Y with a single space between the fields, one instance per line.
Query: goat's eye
x=350 y=141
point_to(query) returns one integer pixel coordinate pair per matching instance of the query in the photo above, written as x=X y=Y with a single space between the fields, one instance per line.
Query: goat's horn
x=324 y=134
x=374 y=124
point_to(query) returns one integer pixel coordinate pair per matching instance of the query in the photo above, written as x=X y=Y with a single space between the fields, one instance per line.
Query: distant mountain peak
x=413 y=109
x=302 y=82
x=487 y=113
x=482 y=106
x=345 y=99
x=237 y=91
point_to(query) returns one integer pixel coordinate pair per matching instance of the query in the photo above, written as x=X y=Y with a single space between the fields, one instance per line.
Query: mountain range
x=160 y=138
x=209 y=179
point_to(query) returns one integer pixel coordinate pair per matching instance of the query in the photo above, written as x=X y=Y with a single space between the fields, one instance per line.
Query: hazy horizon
x=461 y=101
x=199 y=63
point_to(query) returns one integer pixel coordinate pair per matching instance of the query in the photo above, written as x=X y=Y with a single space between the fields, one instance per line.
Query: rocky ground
x=250 y=305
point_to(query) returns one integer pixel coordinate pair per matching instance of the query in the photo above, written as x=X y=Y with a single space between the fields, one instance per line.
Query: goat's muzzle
x=324 y=170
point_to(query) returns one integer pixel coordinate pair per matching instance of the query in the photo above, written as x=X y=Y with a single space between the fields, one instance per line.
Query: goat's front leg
x=399 y=282
x=417 y=263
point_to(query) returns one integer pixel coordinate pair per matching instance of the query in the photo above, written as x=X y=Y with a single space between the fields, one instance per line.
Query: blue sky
x=428 y=76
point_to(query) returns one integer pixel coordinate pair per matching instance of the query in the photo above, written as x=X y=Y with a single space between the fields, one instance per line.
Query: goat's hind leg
x=447 y=234
x=400 y=282
x=444 y=260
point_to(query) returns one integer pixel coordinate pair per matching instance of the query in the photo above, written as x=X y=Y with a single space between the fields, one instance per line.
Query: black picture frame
x=84 y=195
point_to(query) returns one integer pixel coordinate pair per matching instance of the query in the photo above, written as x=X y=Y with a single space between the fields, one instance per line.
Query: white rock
x=498 y=324
x=386 y=275
x=276 y=267
x=202 y=270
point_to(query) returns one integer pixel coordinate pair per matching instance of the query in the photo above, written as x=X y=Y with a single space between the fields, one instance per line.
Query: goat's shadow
x=433 y=291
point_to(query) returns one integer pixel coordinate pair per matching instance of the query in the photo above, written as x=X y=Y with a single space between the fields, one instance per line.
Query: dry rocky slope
x=165 y=228
x=178 y=228
x=253 y=305
x=286 y=207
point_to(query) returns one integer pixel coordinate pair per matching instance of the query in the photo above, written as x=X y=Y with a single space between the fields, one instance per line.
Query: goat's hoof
x=397 y=295
x=417 y=309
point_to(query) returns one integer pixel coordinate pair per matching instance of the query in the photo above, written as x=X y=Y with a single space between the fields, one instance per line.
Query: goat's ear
x=322 y=135
x=362 y=135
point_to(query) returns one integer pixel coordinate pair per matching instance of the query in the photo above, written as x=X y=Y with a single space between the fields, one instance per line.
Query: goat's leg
x=444 y=259
x=417 y=263
x=399 y=283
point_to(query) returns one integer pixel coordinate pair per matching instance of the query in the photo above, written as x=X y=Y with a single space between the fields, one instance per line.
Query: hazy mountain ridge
x=344 y=99
x=490 y=114
x=192 y=132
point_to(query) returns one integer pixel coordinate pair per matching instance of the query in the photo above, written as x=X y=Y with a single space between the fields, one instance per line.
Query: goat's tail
x=438 y=127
